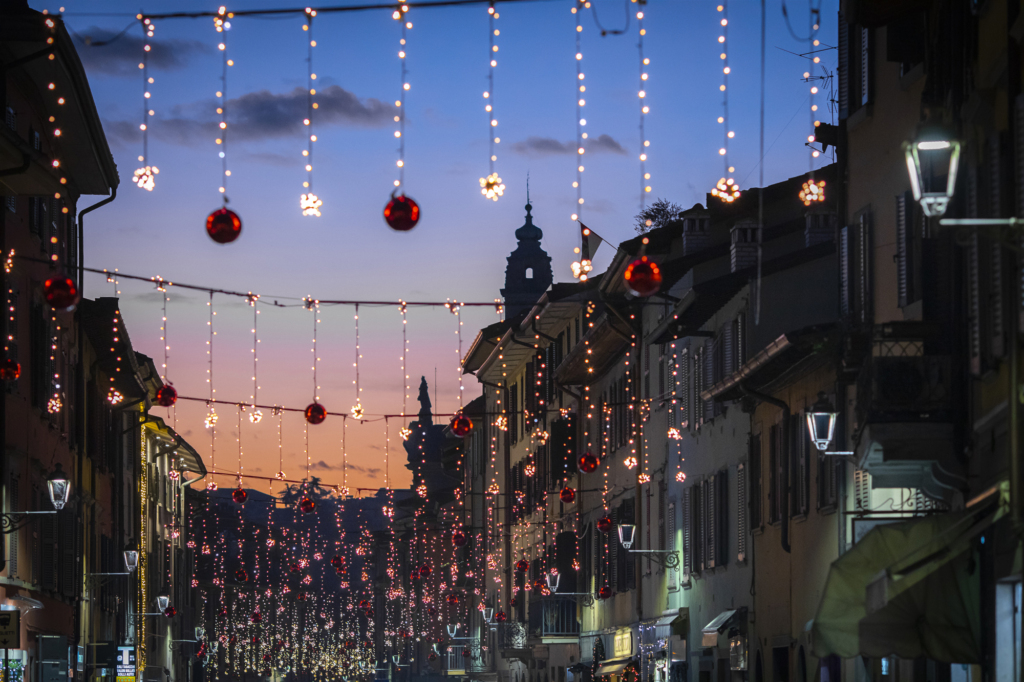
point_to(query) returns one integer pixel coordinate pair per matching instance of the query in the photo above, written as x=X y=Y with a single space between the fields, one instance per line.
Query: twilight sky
x=458 y=249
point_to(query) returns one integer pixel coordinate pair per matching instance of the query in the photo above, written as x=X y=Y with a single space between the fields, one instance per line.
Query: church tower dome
x=528 y=273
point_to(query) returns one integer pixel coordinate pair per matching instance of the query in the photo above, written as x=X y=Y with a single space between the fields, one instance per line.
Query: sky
x=458 y=249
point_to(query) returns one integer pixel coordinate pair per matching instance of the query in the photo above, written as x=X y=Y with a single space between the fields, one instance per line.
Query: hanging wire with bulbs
x=645 y=177
x=309 y=202
x=145 y=177
x=223 y=225
x=581 y=102
x=813 y=191
x=401 y=213
x=726 y=188
x=491 y=187
x=255 y=415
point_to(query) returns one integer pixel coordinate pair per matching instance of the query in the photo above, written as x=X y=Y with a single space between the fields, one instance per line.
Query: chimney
x=744 y=238
x=821 y=226
x=696 y=230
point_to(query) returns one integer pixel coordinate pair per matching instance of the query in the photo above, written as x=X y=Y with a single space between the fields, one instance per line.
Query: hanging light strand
x=580 y=103
x=144 y=177
x=644 y=108
x=491 y=187
x=309 y=202
x=256 y=414
x=357 y=408
x=726 y=188
x=222 y=25
x=399 y=15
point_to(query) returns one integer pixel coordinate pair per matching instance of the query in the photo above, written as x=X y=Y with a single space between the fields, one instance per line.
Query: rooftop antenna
x=527 y=186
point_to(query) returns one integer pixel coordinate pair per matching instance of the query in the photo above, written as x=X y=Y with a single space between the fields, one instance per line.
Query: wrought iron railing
x=553 y=617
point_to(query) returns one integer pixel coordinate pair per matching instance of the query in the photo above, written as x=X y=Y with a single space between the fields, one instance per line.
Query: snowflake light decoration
x=357 y=411
x=674 y=434
x=405 y=433
x=256 y=415
x=812 y=192
x=630 y=462
x=211 y=419
x=54 y=405
x=501 y=423
x=680 y=476
x=581 y=269
x=727 y=190
x=145 y=177
x=492 y=187
x=310 y=204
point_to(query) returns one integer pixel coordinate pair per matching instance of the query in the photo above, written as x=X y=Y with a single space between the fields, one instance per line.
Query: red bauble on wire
x=306 y=504
x=170 y=612
x=166 y=396
x=301 y=596
x=350 y=644
x=402 y=213
x=604 y=593
x=459 y=538
x=223 y=225
x=316 y=413
x=604 y=524
x=241 y=575
x=10 y=370
x=460 y=424
x=452 y=598
x=522 y=565
x=337 y=561
x=567 y=495
x=643 y=277
x=588 y=463
x=294 y=568
x=538 y=584
x=256 y=616
x=431 y=657
x=465 y=653
x=239 y=495
x=500 y=616
x=424 y=571
x=61 y=292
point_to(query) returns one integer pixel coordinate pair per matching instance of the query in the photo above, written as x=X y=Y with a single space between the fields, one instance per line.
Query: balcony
x=554 y=620
x=458 y=663
x=905 y=409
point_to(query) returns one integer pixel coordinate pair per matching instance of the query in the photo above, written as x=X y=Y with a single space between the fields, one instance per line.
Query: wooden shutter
x=865 y=66
x=862 y=490
x=13 y=503
x=687 y=535
x=974 y=303
x=670 y=542
x=647 y=370
x=845 y=284
x=68 y=554
x=48 y=552
x=728 y=351
x=756 y=480
x=721 y=484
x=685 y=411
x=661 y=370
x=629 y=564
x=843 y=70
x=902 y=251
x=710 y=522
x=864 y=257
x=741 y=513
x=773 y=457
x=709 y=376
x=614 y=547
x=739 y=339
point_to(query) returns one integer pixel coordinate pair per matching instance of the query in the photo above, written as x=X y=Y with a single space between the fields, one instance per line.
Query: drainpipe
x=81 y=234
x=784 y=458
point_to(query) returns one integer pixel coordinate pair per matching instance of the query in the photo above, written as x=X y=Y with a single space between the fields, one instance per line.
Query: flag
x=590 y=242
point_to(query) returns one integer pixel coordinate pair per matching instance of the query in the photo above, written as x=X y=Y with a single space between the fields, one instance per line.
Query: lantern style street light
x=626 y=533
x=488 y=614
x=59 y=487
x=553 y=579
x=933 y=154
x=163 y=601
x=663 y=557
x=821 y=422
x=131 y=557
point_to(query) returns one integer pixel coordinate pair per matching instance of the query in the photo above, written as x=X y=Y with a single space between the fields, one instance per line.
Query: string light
x=491 y=186
x=580 y=103
x=255 y=415
x=357 y=409
x=222 y=24
x=145 y=177
x=645 y=188
x=399 y=15
x=309 y=202
x=726 y=188
x=211 y=418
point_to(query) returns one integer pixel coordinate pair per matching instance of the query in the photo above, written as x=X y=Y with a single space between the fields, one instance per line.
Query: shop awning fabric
x=709 y=633
x=612 y=667
x=909 y=589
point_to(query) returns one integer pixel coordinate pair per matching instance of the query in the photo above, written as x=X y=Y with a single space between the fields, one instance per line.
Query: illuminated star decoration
x=144 y=177
x=812 y=191
x=357 y=411
x=53 y=407
x=310 y=204
x=590 y=242
x=255 y=416
x=674 y=434
x=680 y=476
x=492 y=187
x=211 y=419
x=405 y=433
x=727 y=190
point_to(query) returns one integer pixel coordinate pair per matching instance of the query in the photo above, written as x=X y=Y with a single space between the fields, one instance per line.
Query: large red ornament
x=337 y=561
x=567 y=495
x=424 y=571
x=166 y=396
x=300 y=596
x=588 y=463
x=350 y=644
x=256 y=617
x=306 y=504
x=604 y=524
x=643 y=278
x=500 y=616
x=402 y=213
x=453 y=598
x=465 y=653
x=522 y=565
x=223 y=226
x=241 y=575
x=61 y=292
x=294 y=568
x=458 y=538
x=431 y=657
x=364 y=603
x=10 y=370
x=170 y=612
x=239 y=495
x=315 y=413
x=460 y=424
x=403 y=633
x=604 y=593
x=267 y=657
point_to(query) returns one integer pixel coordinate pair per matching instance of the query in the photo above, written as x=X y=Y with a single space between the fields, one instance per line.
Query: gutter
x=81 y=234
x=785 y=456
x=748 y=369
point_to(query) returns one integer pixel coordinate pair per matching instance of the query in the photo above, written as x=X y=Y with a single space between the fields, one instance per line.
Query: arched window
x=529 y=273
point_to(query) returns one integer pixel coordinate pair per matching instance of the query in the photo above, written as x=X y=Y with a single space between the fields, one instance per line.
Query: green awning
x=909 y=589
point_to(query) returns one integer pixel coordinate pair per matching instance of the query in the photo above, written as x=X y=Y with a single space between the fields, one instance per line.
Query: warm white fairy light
x=645 y=177
x=255 y=414
x=726 y=188
x=222 y=25
x=491 y=186
x=399 y=15
x=357 y=411
x=145 y=177
x=580 y=103
x=309 y=202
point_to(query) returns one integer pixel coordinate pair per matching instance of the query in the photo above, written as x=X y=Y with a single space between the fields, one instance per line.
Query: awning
x=711 y=630
x=910 y=589
x=663 y=627
x=612 y=667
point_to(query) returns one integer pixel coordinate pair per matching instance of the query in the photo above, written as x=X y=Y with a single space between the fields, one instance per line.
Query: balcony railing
x=553 y=617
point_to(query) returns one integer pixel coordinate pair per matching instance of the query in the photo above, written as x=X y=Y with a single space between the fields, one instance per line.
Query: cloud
x=548 y=146
x=370 y=472
x=257 y=116
x=122 y=55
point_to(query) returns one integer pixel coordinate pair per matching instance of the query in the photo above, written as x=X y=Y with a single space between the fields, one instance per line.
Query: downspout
x=81 y=233
x=784 y=457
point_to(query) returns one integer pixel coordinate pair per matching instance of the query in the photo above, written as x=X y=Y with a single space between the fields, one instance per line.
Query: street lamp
x=662 y=557
x=553 y=579
x=163 y=601
x=453 y=630
x=131 y=557
x=59 y=486
x=821 y=422
x=488 y=614
x=932 y=154
x=626 y=532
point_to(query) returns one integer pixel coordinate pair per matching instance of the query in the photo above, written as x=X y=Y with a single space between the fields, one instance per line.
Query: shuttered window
x=994 y=250
x=773 y=473
x=843 y=70
x=862 y=490
x=739 y=339
x=12 y=538
x=670 y=543
x=756 y=480
x=687 y=535
x=865 y=66
x=802 y=467
x=741 y=513
x=903 y=251
x=721 y=519
x=845 y=282
x=48 y=552
x=974 y=303
x=710 y=346
x=710 y=522
x=686 y=392
x=728 y=351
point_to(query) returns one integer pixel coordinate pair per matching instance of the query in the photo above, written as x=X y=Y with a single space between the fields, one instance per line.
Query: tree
x=659 y=214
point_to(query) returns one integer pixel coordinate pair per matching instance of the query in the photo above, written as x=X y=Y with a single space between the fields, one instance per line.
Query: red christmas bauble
x=315 y=413
x=369 y=614
x=522 y=565
x=61 y=292
x=402 y=213
x=223 y=226
x=350 y=644
x=403 y=633
x=458 y=538
x=241 y=575
x=337 y=561
x=460 y=424
x=294 y=568
x=465 y=653
x=431 y=656
x=223 y=613
x=239 y=495
x=432 y=611
x=643 y=278
x=307 y=505
x=301 y=596
x=604 y=593
x=424 y=571
x=588 y=463
x=604 y=524
x=256 y=617
x=166 y=396
x=414 y=575
x=452 y=598
x=170 y=612
x=267 y=657
x=10 y=370
x=500 y=616
x=364 y=603
x=567 y=495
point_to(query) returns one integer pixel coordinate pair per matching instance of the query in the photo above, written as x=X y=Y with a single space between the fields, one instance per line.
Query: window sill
x=828 y=509
x=800 y=518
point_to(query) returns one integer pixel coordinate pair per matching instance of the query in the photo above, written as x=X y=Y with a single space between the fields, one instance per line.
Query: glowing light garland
x=399 y=15
x=145 y=177
x=726 y=188
x=644 y=108
x=580 y=103
x=309 y=202
x=222 y=24
x=491 y=186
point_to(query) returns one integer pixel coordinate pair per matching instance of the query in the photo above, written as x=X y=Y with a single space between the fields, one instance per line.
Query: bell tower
x=528 y=273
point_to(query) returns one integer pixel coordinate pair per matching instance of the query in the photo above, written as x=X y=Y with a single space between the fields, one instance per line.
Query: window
x=710 y=521
x=855 y=269
x=829 y=470
x=12 y=538
x=801 y=468
x=741 y=513
x=529 y=273
x=905 y=249
x=670 y=544
x=12 y=119
x=687 y=535
x=686 y=389
x=12 y=203
x=775 y=454
x=756 y=480
x=862 y=490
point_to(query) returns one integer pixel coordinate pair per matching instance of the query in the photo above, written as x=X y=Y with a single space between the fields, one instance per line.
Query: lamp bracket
x=584 y=598
x=12 y=521
x=668 y=558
